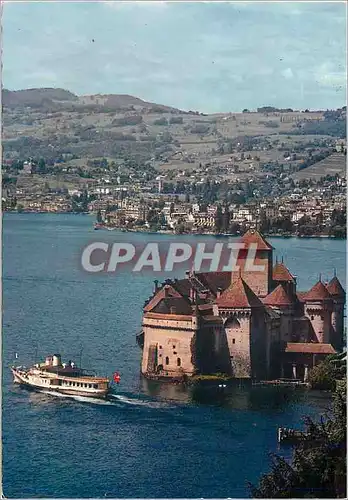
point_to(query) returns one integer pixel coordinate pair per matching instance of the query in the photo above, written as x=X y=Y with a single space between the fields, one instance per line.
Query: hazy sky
x=202 y=56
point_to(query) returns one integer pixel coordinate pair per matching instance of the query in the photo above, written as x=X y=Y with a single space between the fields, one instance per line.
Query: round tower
x=280 y=300
x=318 y=308
x=338 y=298
x=243 y=316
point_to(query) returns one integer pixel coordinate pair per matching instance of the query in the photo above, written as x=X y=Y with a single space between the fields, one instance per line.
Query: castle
x=246 y=324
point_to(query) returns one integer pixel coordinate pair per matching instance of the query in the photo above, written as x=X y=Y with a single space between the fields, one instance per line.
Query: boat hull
x=21 y=378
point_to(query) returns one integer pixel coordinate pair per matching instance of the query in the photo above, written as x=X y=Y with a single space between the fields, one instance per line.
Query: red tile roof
x=167 y=290
x=282 y=273
x=335 y=288
x=173 y=305
x=317 y=292
x=164 y=316
x=215 y=279
x=238 y=295
x=252 y=236
x=211 y=319
x=278 y=297
x=311 y=348
x=301 y=296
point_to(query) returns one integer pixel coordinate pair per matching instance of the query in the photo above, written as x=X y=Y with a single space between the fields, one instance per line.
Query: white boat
x=65 y=378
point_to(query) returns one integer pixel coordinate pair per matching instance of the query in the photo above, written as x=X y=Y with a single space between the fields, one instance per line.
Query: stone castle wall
x=170 y=340
x=237 y=330
x=259 y=281
x=320 y=320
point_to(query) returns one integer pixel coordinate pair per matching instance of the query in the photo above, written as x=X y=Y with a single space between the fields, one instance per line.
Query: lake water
x=152 y=440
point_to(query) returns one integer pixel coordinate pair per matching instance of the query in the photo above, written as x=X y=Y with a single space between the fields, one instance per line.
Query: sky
x=205 y=56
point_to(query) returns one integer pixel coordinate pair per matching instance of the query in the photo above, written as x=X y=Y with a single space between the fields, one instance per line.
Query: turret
x=280 y=300
x=318 y=308
x=281 y=275
x=242 y=313
x=260 y=280
x=338 y=298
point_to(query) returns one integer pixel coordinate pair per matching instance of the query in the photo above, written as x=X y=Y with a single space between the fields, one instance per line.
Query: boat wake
x=138 y=402
x=113 y=400
x=81 y=399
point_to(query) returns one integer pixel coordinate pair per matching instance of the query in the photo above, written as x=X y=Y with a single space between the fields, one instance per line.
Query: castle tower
x=338 y=297
x=169 y=325
x=282 y=275
x=280 y=301
x=318 y=308
x=260 y=281
x=242 y=314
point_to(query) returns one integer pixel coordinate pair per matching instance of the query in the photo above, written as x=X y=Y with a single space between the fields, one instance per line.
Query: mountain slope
x=63 y=99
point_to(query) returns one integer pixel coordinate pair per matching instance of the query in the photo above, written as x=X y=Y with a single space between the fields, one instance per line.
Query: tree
x=162 y=219
x=322 y=376
x=234 y=228
x=160 y=121
x=226 y=218
x=99 y=216
x=318 y=468
x=84 y=201
x=104 y=163
x=176 y=119
x=264 y=222
x=218 y=219
x=41 y=166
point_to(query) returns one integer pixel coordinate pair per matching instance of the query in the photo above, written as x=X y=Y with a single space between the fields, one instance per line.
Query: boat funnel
x=49 y=361
x=56 y=360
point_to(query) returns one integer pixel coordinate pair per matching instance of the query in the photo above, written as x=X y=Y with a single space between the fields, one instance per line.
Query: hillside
x=35 y=97
x=61 y=127
x=63 y=99
x=332 y=165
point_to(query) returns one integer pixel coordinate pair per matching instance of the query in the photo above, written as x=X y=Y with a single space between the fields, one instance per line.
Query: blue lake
x=152 y=440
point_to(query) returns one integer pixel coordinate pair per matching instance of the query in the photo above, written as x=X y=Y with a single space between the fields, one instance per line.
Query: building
x=247 y=324
x=28 y=167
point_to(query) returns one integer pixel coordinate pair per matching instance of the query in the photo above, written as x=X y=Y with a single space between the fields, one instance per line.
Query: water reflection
x=234 y=395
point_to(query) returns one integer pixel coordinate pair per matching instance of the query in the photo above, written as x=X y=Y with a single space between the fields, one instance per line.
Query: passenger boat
x=64 y=378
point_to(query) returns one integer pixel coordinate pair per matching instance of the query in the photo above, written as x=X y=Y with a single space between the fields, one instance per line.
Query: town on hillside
x=139 y=166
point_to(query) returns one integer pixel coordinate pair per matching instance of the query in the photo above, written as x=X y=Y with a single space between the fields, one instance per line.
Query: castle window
x=160 y=347
x=233 y=341
x=175 y=352
x=173 y=346
x=312 y=317
x=232 y=323
x=160 y=355
x=167 y=360
x=178 y=362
